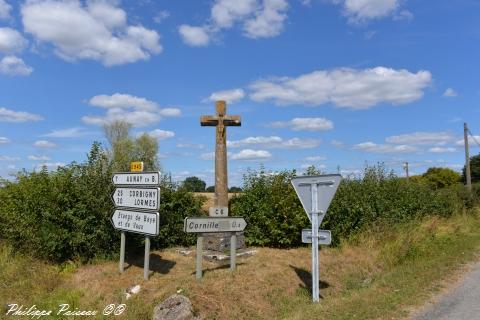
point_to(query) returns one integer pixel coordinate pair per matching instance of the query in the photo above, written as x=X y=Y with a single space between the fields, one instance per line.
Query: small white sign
x=214 y=224
x=324 y=236
x=138 y=198
x=138 y=222
x=136 y=179
x=218 y=211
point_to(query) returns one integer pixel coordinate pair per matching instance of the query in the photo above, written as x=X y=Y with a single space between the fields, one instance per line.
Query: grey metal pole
x=315 y=273
x=146 y=265
x=233 y=251
x=122 y=252
x=467 y=158
x=198 y=262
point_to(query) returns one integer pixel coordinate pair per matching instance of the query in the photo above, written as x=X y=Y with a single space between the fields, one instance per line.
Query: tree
x=125 y=149
x=235 y=189
x=474 y=169
x=194 y=184
x=438 y=178
x=210 y=189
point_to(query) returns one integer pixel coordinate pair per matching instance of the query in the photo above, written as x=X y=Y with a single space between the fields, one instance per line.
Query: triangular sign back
x=327 y=185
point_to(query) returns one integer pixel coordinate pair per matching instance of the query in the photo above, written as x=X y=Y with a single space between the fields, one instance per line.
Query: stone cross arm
x=212 y=121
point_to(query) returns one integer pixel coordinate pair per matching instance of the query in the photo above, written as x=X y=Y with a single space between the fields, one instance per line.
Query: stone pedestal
x=221 y=241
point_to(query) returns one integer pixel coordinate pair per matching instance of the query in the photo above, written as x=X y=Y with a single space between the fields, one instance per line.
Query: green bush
x=65 y=214
x=275 y=216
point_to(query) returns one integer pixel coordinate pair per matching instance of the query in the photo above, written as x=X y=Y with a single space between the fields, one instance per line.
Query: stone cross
x=221 y=121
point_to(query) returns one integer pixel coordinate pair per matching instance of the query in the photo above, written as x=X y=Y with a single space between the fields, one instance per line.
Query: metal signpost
x=137 y=202
x=315 y=194
x=214 y=224
x=137 y=198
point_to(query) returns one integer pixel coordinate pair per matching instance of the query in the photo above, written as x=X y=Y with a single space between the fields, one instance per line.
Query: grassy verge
x=381 y=274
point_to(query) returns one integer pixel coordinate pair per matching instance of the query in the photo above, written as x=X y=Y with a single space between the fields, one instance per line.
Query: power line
x=473 y=137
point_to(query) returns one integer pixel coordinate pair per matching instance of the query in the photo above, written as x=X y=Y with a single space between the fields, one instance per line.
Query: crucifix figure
x=221 y=121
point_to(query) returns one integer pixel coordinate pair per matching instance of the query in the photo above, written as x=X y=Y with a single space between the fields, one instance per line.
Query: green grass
x=381 y=274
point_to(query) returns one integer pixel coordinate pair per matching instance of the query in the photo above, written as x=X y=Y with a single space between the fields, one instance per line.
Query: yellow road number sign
x=136 y=166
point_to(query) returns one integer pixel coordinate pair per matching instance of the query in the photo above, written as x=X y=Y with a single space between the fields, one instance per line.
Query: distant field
x=382 y=274
x=210 y=198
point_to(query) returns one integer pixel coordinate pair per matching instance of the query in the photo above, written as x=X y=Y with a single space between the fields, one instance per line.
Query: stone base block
x=221 y=241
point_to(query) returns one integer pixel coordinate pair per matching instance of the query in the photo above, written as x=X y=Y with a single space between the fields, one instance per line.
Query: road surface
x=460 y=303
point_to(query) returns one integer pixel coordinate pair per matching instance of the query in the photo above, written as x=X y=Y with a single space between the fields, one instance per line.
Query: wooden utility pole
x=467 y=158
x=405 y=166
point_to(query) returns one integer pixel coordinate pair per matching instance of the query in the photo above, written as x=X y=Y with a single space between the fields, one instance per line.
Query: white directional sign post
x=214 y=224
x=315 y=194
x=139 y=222
x=137 y=201
x=136 y=179
x=137 y=198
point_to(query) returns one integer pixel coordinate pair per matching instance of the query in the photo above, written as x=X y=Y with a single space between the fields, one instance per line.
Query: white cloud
x=259 y=18
x=472 y=141
x=275 y=142
x=95 y=31
x=268 y=22
x=344 y=87
x=7 y=115
x=161 y=15
x=4 y=140
x=49 y=165
x=359 y=11
x=11 y=41
x=249 y=154
x=403 y=15
x=194 y=36
x=191 y=145
x=14 y=66
x=119 y=100
x=68 y=133
x=441 y=149
x=8 y=158
x=135 y=110
x=450 y=93
x=44 y=144
x=226 y=12
x=337 y=143
x=207 y=156
x=161 y=134
x=315 y=158
x=422 y=138
x=39 y=158
x=230 y=96
x=384 y=148
x=5 y=9
x=254 y=141
x=309 y=124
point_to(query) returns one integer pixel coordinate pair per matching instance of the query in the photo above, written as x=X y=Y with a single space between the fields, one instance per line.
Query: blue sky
x=333 y=83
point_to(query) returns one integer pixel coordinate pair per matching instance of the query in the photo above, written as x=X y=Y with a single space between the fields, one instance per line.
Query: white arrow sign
x=138 y=222
x=138 y=198
x=136 y=179
x=324 y=236
x=326 y=187
x=214 y=224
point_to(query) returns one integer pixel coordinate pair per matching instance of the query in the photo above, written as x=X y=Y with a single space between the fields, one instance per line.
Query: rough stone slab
x=214 y=256
x=176 y=307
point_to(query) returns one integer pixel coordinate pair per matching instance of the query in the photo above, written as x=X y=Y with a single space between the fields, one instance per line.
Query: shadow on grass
x=306 y=277
x=220 y=267
x=157 y=264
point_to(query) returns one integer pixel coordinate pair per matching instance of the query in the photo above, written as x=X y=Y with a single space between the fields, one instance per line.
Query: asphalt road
x=460 y=303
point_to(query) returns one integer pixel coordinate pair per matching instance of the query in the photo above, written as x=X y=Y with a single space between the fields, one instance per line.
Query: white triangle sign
x=327 y=185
